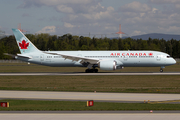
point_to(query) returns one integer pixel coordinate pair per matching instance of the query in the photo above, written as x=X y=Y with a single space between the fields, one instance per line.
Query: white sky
x=81 y=17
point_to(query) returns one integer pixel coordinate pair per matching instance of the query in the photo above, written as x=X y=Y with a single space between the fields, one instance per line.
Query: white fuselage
x=123 y=58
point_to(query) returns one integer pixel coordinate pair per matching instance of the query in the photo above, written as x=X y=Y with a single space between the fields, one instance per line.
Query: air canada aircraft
x=105 y=60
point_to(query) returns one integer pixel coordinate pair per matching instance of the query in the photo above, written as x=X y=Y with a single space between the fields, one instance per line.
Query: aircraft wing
x=77 y=58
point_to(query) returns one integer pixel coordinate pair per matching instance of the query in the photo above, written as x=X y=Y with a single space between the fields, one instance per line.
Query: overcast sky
x=80 y=17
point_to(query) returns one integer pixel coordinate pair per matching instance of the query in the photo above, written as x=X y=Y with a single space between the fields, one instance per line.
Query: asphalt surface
x=87 y=112
x=85 y=74
x=89 y=116
x=84 y=96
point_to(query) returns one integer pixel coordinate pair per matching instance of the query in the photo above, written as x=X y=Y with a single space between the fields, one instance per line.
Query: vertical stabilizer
x=24 y=44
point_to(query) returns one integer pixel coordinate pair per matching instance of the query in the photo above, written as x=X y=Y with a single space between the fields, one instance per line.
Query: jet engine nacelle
x=107 y=65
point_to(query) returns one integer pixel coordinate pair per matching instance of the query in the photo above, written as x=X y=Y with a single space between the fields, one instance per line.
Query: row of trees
x=68 y=42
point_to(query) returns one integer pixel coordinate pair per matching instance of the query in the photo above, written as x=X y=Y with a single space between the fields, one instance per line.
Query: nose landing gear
x=161 y=70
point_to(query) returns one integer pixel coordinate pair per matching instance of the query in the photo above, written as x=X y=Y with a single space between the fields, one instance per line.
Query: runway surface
x=85 y=74
x=91 y=116
x=84 y=96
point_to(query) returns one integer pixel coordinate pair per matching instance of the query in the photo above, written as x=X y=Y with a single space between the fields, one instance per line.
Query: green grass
x=33 y=105
x=133 y=84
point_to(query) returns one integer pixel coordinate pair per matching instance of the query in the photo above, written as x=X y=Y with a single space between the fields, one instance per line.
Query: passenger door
x=42 y=58
x=158 y=57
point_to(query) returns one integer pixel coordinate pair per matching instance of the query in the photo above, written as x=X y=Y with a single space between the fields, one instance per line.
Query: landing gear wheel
x=161 y=70
x=96 y=70
x=91 y=70
x=87 y=70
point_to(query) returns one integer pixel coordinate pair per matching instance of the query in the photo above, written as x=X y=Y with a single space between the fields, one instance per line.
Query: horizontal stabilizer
x=18 y=55
x=24 y=56
x=13 y=56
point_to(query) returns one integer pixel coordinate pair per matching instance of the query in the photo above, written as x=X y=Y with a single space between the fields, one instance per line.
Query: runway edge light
x=90 y=103
x=4 y=104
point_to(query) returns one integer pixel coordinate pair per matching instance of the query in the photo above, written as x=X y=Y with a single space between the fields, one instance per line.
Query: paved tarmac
x=90 y=116
x=85 y=74
x=84 y=96
x=89 y=112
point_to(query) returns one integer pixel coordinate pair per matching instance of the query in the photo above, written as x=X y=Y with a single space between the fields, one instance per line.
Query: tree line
x=68 y=42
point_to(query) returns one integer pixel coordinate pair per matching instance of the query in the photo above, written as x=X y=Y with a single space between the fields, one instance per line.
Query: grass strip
x=36 y=105
x=126 y=84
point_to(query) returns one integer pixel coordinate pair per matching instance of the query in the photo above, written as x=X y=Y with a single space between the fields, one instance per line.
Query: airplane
x=105 y=60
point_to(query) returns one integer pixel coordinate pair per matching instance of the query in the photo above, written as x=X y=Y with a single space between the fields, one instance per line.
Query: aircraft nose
x=174 y=61
x=171 y=61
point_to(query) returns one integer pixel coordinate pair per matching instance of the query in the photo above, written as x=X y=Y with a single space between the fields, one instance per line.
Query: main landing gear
x=91 y=70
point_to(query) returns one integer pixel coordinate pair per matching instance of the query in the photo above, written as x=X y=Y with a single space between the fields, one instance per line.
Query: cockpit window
x=168 y=56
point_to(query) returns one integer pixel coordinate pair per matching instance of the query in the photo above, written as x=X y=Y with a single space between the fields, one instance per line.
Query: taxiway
x=84 y=96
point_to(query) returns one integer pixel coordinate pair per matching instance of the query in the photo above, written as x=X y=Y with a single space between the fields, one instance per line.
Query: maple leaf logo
x=150 y=54
x=23 y=45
